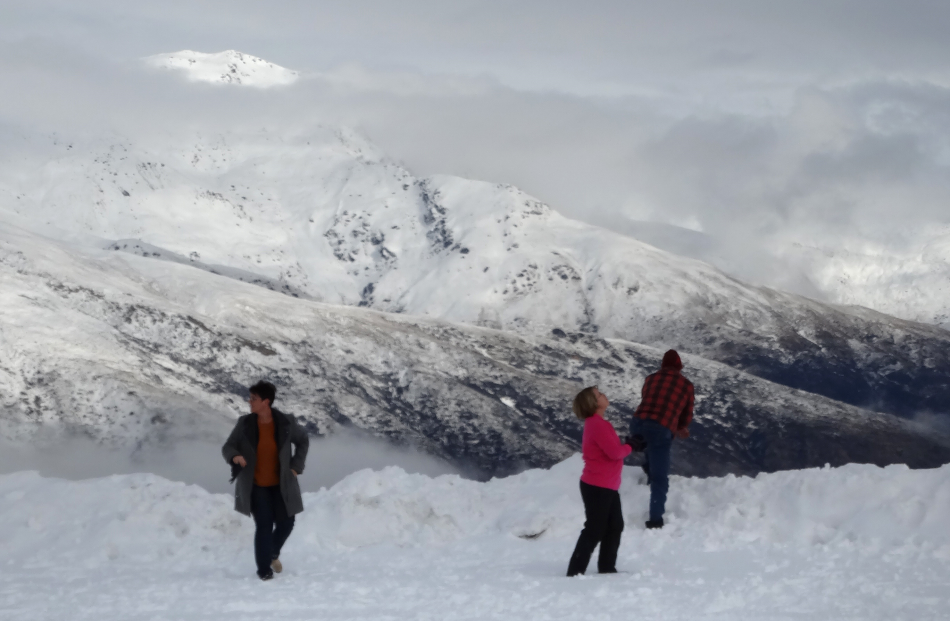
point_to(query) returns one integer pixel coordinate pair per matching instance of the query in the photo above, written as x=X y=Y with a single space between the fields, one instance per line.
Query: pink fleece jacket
x=603 y=453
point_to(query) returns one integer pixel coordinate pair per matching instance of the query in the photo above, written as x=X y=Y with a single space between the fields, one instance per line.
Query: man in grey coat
x=259 y=451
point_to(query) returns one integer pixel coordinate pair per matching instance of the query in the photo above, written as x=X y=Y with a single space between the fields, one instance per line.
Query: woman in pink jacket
x=603 y=460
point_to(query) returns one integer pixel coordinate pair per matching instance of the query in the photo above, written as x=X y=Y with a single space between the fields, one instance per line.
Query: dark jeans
x=604 y=525
x=273 y=525
x=659 y=441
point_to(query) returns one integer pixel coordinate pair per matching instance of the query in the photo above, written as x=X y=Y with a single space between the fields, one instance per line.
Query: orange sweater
x=267 y=469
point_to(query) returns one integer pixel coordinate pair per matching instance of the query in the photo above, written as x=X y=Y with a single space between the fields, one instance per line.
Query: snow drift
x=856 y=542
x=856 y=504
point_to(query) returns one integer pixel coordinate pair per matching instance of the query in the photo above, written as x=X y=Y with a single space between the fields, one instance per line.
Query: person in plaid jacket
x=665 y=412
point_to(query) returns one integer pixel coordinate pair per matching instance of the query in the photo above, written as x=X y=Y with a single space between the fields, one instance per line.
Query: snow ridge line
x=854 y=505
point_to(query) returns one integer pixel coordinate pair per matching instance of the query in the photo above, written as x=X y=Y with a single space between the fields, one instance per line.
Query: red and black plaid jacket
x=667 y=398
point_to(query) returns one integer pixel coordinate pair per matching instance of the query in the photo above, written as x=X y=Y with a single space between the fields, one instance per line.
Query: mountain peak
x=228 y=67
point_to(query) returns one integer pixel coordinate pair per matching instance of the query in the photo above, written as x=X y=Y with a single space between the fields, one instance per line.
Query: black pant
x=604 y=525
x=273 y=525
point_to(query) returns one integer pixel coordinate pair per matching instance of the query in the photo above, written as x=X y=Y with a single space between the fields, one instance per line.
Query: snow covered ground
x=857 y=542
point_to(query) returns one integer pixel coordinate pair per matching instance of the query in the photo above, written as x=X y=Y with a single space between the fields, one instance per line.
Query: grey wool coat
x=243 y=441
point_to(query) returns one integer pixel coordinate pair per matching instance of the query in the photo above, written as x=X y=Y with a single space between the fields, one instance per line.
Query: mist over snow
x=198 y=461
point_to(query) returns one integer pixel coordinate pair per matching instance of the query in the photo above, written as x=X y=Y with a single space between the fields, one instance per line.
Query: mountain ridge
x=127 y=350
x=324 y=214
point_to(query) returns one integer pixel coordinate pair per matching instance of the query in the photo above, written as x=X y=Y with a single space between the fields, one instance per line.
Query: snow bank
x=855 y=503
x=137 y=517
x=145 y=518
x=857 y=542
x=391 y=506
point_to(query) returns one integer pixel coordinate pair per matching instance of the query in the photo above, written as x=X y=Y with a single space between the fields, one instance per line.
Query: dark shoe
x=655 y=523
x=268 y=576
x=276 y=566
x=607 y=571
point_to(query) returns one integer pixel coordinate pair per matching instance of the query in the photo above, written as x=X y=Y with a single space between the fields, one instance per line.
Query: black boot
x=574 y=568
x=655 y=523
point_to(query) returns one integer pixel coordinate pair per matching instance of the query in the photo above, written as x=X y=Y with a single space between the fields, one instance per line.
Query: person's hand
x=294 y=471
x=682 y=433
x=637 y=443
x=239 y=461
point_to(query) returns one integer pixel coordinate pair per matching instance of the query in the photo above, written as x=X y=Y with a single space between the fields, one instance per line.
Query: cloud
x=566 y=46
x=830 y=171
x=199 y=462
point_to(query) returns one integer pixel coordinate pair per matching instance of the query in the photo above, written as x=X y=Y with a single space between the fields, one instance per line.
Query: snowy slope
x=913 y=284
x=228 y=67
x=129 y=350
x=324 y=214
x=856 y=542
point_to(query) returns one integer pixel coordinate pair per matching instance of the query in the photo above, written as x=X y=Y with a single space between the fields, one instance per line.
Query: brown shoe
x=276 y=566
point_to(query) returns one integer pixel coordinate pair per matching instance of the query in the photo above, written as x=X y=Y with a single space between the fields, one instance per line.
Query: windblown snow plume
x=230 y=67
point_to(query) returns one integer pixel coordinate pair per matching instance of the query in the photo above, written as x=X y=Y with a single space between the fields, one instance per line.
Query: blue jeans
x=659 y=441
x=273 y=525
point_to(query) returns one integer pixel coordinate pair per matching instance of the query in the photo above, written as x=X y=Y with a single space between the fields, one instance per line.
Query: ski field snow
x=856 y=542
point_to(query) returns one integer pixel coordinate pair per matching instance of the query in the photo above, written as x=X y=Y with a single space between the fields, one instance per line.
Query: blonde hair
x=585 y=403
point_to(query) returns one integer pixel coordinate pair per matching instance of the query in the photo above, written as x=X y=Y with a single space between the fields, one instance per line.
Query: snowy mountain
x=323 y=214
x=129 y=350
x=856 y=542
x=914 y=284
x=229 y=67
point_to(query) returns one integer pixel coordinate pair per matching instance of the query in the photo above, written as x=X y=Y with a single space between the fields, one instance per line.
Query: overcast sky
x=756 y=124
